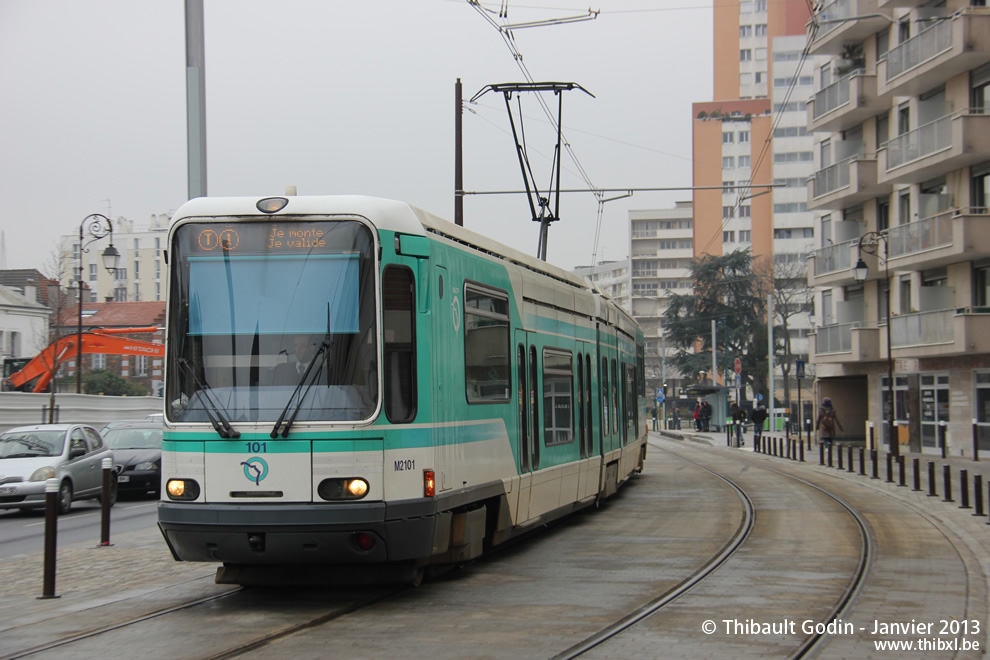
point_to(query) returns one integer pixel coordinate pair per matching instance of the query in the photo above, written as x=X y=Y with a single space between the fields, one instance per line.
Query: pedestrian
x=738 y=418
x=758 y=416
x=654 y=413
x=828 y=420
x=706 y=416
x=697 y=417
x=677 y=420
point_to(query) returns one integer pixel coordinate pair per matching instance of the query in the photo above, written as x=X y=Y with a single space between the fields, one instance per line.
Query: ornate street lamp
x=97 y=226
x=870 y=243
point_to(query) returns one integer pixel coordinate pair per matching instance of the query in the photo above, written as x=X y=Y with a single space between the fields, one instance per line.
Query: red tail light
x=429 y=483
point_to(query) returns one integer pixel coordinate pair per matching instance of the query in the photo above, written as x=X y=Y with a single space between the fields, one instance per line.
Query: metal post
x=917 y=473
x=890 y=468
x=51 y=534
x=976 y=441
x=931 y=479
x=821 y=454
x=964 y=488
x=876 y=469
x=902 y=477
x=947 y=481
x=195 y=99
x=830 y=454
x=851 y=466
x=978 y=494
x=941 y=439
x=458 y=156
x=862 y=461
x=801 y=445
x=839 y=447
x=105 y=502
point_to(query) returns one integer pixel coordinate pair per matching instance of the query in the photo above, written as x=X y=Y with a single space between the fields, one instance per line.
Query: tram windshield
x=261 y=312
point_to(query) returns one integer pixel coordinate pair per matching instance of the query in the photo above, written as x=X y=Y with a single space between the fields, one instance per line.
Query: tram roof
x=385 y=214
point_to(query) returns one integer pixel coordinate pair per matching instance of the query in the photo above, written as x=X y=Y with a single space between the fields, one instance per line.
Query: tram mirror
x=412 y=246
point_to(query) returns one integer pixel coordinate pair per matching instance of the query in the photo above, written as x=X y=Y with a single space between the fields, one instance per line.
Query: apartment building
x=902 y=183
x=661 y=246
x=755 y=133
x=611 y=278
x=140 y=275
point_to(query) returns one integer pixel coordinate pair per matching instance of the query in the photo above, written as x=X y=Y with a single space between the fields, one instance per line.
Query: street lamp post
x=869 y=243
x=98 y=226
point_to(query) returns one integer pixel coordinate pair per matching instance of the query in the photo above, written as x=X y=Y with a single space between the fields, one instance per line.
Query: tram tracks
x=810 y=644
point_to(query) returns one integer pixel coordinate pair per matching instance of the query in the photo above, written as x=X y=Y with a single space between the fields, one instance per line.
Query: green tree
x=110 y=384
x=726 y=290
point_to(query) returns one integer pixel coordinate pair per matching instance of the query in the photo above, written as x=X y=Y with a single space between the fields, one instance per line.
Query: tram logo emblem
x=455 y=312
x=255 y=469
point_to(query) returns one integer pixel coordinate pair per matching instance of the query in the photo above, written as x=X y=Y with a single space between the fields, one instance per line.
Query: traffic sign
x=660 y=396
x=738 y=366
x=800 y=369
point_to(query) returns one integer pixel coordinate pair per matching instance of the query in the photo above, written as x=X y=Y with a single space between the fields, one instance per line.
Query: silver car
x=71 y=453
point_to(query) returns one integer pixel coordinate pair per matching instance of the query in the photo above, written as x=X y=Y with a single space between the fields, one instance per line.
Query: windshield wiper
x=320 y=352
x=220 y=422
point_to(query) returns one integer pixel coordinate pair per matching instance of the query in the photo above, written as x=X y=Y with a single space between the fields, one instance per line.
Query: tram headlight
x=352 y=488
x=182 y=489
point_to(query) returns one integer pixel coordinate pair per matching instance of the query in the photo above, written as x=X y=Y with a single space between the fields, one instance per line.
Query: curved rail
x=809 y=645
x=730 y=548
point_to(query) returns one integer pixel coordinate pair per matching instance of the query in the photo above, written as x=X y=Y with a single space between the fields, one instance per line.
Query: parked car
x=137 y=452
x=156 y=417
x=71 y=453
x=110 y=425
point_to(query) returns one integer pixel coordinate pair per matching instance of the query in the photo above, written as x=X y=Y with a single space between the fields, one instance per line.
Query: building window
x=761 y=30
x=728 y=237
x=745 y=211
x=486 y=344
x=92 y=272
x=758 y=77
x=99 y=361
x=728 y=138
x=743 y=161
x=727 y=186
x=142 y=365
x=745 y=236
x=745 y=31
x=728 y=162
x=743 y=136
x=745 y=55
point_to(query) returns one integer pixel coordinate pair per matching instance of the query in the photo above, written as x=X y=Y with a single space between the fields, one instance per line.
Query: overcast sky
x=341 y=97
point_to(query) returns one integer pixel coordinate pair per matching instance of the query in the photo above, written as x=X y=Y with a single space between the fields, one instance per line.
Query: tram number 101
x=257 y=447
x=402 y=466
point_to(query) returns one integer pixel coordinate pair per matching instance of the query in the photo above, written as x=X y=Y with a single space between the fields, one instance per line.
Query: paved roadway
x=539 y=598
x=24 y=531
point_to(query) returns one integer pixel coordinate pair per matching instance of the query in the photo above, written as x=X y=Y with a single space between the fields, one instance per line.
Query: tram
x=358 y=390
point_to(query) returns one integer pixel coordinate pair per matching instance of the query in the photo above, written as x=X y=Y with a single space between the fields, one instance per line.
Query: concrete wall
x=22 y=408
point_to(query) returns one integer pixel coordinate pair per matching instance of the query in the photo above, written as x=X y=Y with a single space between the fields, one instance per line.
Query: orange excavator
x=44 y=365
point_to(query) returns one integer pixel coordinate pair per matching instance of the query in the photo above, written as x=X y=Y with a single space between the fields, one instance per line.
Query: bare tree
x=786 y=280
x=57 y=271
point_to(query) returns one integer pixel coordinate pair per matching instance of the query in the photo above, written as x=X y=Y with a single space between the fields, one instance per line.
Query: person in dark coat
x=706 y=416
x=758 y=417
x=828 y=421
x=677 y=420
x=738 y=418
x=697 y=417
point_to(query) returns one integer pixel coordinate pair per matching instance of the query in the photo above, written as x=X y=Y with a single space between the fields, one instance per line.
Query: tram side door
x=447 y=319
x=608 y=391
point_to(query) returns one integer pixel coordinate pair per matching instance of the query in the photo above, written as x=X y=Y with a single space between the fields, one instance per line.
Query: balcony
x=846 y=103
x=946 y=238
x=937 y=148
x=846 y=342
x=847 y=183
x=942 y=332
x=842 y=22
x=945 y=49
x=832 y=264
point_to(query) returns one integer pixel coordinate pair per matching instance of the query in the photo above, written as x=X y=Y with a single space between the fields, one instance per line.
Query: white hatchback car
x=71 y=453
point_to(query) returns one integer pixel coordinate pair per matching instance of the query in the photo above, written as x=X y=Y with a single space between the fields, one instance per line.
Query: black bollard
x=830 y=454
x=821 y=454
x=51 y=534
x=941 y=439
x=873 y=458
x=839 y=452
x=801 y=446
x=964 y=488
x=917 y=473
x=947 y=481
x=862 y=461
x=978 y=494
x=851 y=466
x=890 y=468
x=105 y=503
x=902 y=479
x=931 y=479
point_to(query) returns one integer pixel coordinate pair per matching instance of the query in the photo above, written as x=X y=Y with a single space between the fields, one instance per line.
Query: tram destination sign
x=260 y=237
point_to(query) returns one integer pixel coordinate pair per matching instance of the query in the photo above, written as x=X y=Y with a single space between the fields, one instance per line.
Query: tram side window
x=558 y=406
x=523 y=421
x=587 y=405
x=606 y=429
x=631 y=402
x=486 y=344
x=579 y=394
x=399 y=324
x=615 y=399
